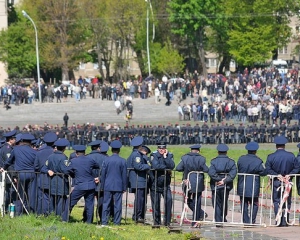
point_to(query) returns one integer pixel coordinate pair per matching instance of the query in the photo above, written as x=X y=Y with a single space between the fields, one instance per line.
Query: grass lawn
x=33 y=227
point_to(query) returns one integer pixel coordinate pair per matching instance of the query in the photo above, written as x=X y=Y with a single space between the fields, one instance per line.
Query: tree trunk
x=201 y=53
x=139 y=58
x=225 y=63
x=100 y=61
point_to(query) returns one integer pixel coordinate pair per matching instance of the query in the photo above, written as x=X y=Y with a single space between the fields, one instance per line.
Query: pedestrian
x=137 y=167
x=113 y=183
x=66 y=119
x=162 y=163
x=58 y=95
x=80 y=168
x=22 y=158
x=44 y=204
x=281 y=164
x=59 y=183
x=222 y=171
x=248 y=187
x=191 y=165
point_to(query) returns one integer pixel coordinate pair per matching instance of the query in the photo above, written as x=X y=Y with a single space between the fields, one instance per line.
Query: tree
x=17 y=50
x=63 y=32
x=190 y=18
x=169 y=60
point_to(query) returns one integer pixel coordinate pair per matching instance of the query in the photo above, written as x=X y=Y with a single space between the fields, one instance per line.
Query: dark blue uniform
x=138 y=166
x=160 y=180
x=59 y=183
x=23 y=157
x=99 y=159
x=113 y=183
x=80 y=169
x=282 y=163
x=44 y=205
x=249 y=186
x=194 y=162
x=221 y=167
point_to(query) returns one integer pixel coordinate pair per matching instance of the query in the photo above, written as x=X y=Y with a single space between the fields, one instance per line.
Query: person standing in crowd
x=59 y=183
x=160 y=179
x=66 y=119
x=222 y=171
x=44 y=204
x=22 y=157
x=113 y=183
x=281 y=164
x=137 y=178
x=193 y=182
x=99 y=158
x=248 y=185
x=5 y=151
x=80 y=168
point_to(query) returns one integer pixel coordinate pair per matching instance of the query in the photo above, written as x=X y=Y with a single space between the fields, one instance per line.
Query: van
x=281 y=65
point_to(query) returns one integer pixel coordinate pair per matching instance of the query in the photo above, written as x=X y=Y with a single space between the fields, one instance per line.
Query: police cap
x=252 y=146
x=222 y=147
x=137 y=141
x=27 y=137
x=161 y=145
x=50 y=137
x=116 y=144
x=104 y=147
x=146 y=149
x=62 y=142
x=196 y=146
x=95 y=143
x=33 y=142
x=79 y=148
x=298 y=145
x=18 y=137
x=10 y=134
x=280 y=140
x=2 y=141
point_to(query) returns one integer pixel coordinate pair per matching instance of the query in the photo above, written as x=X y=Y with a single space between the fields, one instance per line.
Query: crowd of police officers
x=106 y=178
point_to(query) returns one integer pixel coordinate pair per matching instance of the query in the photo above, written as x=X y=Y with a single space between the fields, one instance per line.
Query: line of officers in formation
x=187 y=134
x=106 y=178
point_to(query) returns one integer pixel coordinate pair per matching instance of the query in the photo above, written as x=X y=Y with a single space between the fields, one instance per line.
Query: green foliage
x=17 y=49
x=169 y=60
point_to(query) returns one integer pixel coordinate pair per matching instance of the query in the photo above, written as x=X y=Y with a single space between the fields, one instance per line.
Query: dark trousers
x=194 y=203
x=220 y=204
x=44 y=205
x=74 y=198
x=59 y=204
x=139 y=204
x=117 y=198
x=248 y=209
x=155 y=201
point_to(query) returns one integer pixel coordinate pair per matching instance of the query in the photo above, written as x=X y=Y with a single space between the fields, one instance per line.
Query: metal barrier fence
x=164 y=200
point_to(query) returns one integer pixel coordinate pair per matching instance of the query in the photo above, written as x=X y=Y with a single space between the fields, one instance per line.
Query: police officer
x=193 y=162
x=5 y=151
x=22 y=157
x=59 y=183
x=138 y=167
x=113 y=183
x=80 y=168
x=162 y=163
x=281 y=163
x=44 y=205
x=222 y=171
x=249 y=185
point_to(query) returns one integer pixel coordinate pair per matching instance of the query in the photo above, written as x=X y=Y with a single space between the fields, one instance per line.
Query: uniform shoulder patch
x=67 y=162
x=137 y=159
x=8 y=155
x=152 y=157
x=46 y=163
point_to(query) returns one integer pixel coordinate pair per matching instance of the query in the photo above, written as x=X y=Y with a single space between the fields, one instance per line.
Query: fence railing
x=159 y=198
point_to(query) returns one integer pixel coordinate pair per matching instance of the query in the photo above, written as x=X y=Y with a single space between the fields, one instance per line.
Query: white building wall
x=3 y=25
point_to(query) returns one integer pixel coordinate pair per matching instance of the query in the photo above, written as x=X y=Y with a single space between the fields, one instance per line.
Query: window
x=96 y=66
x=282 y=50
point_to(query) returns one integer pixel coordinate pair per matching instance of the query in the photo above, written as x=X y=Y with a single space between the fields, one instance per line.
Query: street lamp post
x=37 y=53
x=148 y=50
